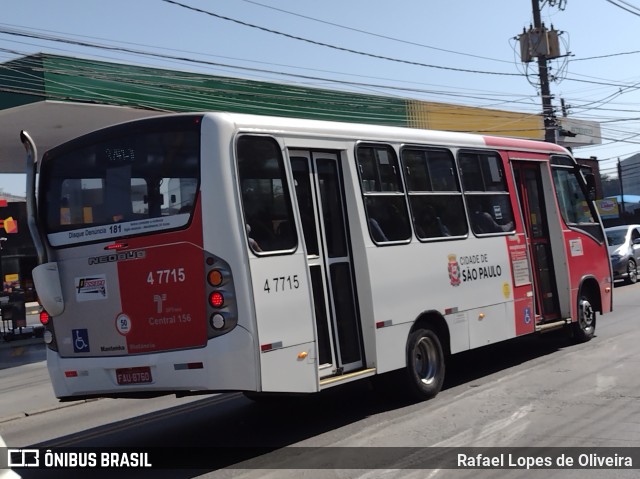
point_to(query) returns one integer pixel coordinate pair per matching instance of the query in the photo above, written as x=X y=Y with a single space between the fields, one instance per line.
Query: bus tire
x=425 y=364
x=263 y=398
x=585 y=327
x=276 y=398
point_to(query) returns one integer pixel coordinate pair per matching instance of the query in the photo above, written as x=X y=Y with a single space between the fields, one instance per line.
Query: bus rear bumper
x=201 y=369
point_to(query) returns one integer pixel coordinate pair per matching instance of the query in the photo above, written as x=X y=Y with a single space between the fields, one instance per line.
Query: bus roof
x=378 y=132
x=343 y=130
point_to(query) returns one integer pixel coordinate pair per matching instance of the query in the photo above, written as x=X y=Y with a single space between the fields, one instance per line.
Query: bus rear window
x=141 y=180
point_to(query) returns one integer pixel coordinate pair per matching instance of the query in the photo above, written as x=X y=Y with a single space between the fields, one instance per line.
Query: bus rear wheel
x=585 y=327
x=425 y=364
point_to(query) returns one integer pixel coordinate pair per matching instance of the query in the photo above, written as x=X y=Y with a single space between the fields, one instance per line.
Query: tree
x=610 y=185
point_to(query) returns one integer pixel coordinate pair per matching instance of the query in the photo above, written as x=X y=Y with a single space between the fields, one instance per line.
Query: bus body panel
x=146 y=297
x=169 y=372
x=520 y=264
x=443 y=276
x=273 y=292
x=291 y=369
x=490 y=324
x=390 y=344
x=283 y=304
x=46 y=279
x=222 y=225
x=165 y=298
x=149 y=307
x=583 y=252
x=87 y=327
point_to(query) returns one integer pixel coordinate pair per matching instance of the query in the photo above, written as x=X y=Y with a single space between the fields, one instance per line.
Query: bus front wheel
x=425 y=364
x=585 y=327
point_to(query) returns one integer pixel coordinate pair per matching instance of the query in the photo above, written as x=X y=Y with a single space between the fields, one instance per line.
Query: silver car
x=624 y=251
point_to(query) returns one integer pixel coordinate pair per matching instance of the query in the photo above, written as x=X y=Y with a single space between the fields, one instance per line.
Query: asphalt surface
x=23 y=373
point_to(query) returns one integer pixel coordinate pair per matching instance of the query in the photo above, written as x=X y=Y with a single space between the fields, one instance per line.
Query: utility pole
x=548 y=114
x=622 y=211
x=543 y=45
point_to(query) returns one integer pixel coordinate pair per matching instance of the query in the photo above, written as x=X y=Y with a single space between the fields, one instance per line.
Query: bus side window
x=486 y=193
x=383 y=194
x=266 y=201
x=578 y=211
x=434 y=191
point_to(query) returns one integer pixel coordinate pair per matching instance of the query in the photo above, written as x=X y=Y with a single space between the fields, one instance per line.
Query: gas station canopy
x=57 y=98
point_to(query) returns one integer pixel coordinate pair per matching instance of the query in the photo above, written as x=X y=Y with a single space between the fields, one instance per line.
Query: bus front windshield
x=120 y=181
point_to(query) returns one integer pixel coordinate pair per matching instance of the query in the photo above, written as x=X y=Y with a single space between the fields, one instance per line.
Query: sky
x=461 y=52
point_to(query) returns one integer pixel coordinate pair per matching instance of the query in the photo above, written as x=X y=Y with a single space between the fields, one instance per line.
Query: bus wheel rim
x=425 y=360
x=587 y=315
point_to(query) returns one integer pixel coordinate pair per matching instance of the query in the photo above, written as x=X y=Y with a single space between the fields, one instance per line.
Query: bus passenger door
x=532 y=203
x=320 y=198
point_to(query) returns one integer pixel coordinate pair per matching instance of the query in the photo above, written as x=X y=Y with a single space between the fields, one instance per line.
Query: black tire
x=266 y=398
x=585 y=327
x=632 y=272
x=425 y=364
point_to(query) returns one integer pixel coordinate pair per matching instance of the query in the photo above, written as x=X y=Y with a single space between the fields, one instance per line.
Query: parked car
x=624 y=251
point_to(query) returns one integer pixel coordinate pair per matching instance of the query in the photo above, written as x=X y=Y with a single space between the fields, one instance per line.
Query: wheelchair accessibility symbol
x=80 y=340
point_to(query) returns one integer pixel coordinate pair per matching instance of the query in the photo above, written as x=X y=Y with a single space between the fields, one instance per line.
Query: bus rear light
x=215 y=277
x=47 y=336
x=217 y=321
x=222 y=310
x=44 y=317
x=116 y=246
x=384 y=324
x=216 y=299
x=71 y=374
x=270 y=346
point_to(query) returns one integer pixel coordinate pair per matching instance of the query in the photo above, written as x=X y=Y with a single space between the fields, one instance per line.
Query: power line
x=605 y=56
x=164 y=56
x=377 y=35
x=490 y=95
x=235 y=67
x=156 y=95
x=336 y=47
x=630 y=10
x=303 y=77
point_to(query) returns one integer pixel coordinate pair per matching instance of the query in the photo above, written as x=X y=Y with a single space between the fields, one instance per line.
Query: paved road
x=533 y=393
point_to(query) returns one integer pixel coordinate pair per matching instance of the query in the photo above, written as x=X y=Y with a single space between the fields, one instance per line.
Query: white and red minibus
x=209 y=252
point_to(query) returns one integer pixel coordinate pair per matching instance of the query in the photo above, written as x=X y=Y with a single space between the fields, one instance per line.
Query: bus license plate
x=138 y=375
